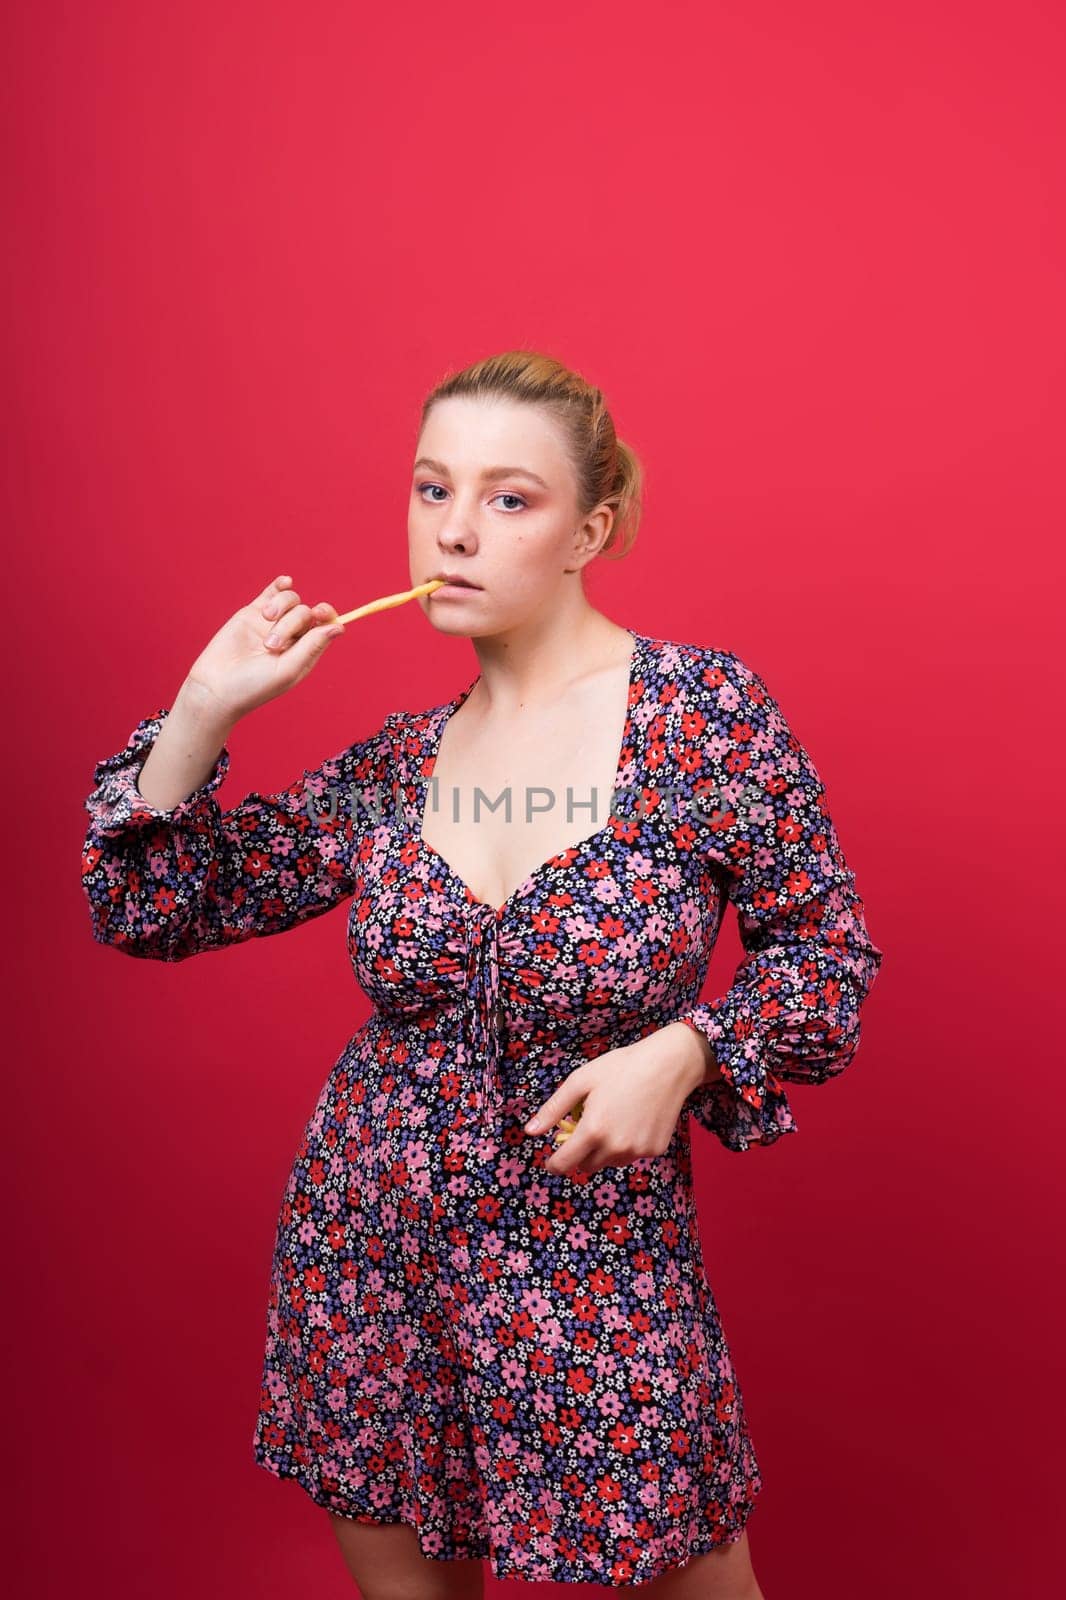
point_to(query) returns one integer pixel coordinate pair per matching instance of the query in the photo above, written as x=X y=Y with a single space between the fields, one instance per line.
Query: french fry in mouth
x=387 y=600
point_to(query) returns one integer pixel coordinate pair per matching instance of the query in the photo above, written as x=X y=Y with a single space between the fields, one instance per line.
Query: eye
x=504 y=494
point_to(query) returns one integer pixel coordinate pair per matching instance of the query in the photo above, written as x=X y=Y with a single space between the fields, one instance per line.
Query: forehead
x=469 y=438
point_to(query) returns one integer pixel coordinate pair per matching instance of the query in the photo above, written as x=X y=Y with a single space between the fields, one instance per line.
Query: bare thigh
x=722 y=1574
x=387 y=1563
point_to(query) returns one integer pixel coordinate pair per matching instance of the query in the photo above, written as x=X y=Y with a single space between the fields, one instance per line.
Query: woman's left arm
x=755 y=808
x=761 y=815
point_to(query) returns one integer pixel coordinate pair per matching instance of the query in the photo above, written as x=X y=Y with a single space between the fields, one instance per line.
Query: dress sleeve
x=165 y=885
x=759 y=810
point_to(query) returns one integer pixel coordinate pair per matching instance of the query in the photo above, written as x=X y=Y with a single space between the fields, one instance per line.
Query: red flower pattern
x=525 y=1367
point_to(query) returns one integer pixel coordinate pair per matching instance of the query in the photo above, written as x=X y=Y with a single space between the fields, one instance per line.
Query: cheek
x=540 y=559
x=419 y=529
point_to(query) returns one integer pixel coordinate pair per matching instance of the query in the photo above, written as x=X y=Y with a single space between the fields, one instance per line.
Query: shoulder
x=402 y=726
x=708 y=678
x=408 y=725
x=718 y=716
x=409 y=734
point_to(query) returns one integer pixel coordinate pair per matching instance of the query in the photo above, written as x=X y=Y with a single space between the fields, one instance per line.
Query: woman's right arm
x=186 y=751
x=168 y=873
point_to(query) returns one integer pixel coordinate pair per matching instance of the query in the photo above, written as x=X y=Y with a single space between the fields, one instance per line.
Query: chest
x=506 y=795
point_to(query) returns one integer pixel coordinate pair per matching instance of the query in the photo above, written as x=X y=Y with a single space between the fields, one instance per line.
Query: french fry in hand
x=568 y=1124
x=387 y=600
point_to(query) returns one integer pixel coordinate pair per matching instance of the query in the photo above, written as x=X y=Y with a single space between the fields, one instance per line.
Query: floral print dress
x=524 y=1366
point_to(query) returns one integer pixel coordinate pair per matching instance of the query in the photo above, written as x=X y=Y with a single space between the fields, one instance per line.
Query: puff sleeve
x=760 y=813
x=166 y=885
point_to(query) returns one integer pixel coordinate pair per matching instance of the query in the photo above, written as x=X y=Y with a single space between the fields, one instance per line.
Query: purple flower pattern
x=526 y=1367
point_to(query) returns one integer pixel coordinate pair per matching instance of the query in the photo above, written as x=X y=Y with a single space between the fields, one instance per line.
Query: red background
x=813 y=254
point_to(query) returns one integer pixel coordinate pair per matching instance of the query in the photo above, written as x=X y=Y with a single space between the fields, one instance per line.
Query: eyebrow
x=489 y=475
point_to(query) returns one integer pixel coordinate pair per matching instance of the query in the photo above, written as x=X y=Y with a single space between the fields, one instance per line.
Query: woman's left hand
x=632 y=1100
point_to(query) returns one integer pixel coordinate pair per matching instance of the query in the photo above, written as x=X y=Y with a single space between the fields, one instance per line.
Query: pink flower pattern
x=525 y=1367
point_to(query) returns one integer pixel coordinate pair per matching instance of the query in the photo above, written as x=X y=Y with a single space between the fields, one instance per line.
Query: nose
x=456 y=535
x=455 y=523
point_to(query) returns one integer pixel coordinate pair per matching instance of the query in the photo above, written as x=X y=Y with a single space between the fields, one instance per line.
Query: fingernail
x=532 y=1125
x=272 y=638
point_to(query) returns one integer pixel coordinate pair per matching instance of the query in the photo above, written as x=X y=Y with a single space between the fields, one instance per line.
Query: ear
x=590 y=535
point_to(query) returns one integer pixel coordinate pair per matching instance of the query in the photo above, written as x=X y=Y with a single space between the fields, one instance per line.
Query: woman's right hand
x=241 y=669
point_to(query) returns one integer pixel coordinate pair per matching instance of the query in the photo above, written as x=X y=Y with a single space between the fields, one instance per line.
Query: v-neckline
x=429 y=767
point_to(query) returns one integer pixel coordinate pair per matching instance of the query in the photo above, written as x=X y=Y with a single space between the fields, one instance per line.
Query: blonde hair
x=607 y=470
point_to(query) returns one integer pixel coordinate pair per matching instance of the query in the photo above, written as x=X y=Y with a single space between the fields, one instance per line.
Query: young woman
x=489 y=1338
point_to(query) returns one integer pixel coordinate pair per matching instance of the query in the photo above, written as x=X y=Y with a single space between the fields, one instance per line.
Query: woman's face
x=494 y=501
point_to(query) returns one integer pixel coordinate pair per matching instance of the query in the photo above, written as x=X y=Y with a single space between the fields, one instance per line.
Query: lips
x=455 y=582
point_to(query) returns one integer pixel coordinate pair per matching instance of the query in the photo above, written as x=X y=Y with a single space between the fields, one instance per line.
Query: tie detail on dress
x=483 y=1009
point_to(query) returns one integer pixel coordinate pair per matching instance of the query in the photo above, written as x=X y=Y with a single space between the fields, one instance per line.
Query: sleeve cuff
x=744 y=1104
x=116 y=804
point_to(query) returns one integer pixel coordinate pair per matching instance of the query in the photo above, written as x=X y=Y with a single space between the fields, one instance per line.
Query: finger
x=574 y=1154
x=566 y=1098
x=302 y=655
x=273 y=588
x=568 y=1122
x=290 y=624
x=280 y=602
x=311 y=617
x=565 y=1127
x=325 y=616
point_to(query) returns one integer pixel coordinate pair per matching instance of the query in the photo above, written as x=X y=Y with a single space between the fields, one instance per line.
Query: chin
x=454 y=627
